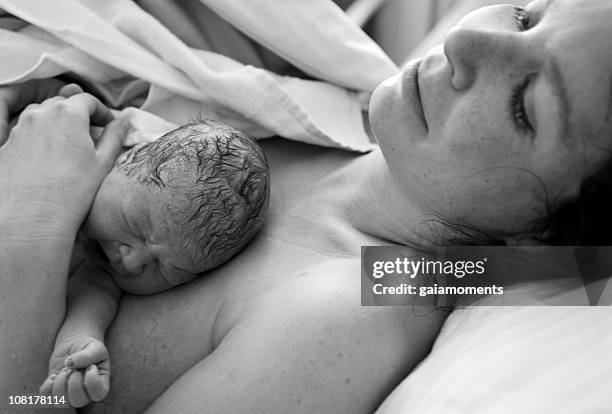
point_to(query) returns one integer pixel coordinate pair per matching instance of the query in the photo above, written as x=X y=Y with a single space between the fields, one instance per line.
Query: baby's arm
x=79 y=367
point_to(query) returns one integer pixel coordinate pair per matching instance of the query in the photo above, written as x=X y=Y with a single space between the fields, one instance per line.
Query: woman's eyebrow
x=552 y=71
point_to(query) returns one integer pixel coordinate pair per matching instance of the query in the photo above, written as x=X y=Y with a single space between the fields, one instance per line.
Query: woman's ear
x=135 y=257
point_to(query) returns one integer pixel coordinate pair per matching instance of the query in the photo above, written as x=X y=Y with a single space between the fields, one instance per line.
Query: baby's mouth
x=98 y=251
x=96 y=254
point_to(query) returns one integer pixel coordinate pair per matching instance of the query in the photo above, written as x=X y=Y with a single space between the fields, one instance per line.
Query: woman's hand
x=13 y=98
x=50 y=167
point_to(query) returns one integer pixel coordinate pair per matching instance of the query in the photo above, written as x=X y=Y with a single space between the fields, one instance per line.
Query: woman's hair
x=582 y=220
x=586 y=219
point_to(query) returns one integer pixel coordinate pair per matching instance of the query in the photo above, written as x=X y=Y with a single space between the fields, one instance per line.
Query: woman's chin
x=382 y=94
x=391 y=118
x=381 y=104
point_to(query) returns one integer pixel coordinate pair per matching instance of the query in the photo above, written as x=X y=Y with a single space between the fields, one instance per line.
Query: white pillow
x=508 y=359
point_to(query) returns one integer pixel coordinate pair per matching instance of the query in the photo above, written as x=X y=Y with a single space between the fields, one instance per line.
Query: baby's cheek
x=189 y=277
x=178 y=277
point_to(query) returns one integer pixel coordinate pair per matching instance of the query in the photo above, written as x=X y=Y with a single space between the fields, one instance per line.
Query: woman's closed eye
x=521 y=18
x=517 y=107
x=517 y=100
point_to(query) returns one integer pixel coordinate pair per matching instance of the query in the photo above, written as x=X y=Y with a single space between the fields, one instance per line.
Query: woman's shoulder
x=315 y=321
x=331 y=290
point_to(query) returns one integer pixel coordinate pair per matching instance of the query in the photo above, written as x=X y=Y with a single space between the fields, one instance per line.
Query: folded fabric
x=122 y=52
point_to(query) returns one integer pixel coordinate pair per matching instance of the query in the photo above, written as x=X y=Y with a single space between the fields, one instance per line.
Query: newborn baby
x=167 y=212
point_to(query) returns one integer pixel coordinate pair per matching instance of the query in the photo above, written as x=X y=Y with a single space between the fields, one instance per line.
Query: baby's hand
x=79 y=369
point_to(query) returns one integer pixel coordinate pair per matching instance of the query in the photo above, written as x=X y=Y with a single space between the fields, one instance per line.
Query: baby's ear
x=135 y=257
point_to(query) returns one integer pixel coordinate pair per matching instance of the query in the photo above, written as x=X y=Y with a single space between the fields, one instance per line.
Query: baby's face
x=130 y=233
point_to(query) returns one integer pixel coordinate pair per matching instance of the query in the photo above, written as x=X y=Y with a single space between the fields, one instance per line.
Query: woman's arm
x=34 y=255
x=50 y=171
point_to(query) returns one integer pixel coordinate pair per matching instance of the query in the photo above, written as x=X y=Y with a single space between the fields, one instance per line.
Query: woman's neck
x=374 y=204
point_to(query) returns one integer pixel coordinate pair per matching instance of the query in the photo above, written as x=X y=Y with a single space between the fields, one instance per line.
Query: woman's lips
x=420 y=95
x=412 y=90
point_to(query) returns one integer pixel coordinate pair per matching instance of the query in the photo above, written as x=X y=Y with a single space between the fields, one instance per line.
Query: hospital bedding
x=119 y=50
x=506 y=359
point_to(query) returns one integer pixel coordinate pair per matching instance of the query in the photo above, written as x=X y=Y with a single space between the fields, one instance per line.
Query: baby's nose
x=134 y=268
x=134 y=258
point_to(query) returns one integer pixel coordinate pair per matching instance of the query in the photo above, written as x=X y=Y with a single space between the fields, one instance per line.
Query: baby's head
x=179 y=206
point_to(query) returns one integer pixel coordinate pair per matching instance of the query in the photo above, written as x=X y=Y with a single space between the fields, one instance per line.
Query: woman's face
x=511 y=113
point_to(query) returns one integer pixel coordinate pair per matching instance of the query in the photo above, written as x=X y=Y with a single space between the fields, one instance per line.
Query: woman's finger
x=45 y=102
x=111 y=142
x=29 y=108
x=90 y=106
x=76 y=390
x=33 y=107
x=96 y=385
x=70 y=90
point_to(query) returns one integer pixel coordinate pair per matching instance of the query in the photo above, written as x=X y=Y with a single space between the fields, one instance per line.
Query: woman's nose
x=477 y=50
x=465 y=49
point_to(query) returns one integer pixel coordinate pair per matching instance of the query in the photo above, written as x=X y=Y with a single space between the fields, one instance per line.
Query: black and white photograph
x=306 y=206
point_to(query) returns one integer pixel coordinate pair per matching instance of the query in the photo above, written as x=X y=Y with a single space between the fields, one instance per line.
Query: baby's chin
x=137 y=285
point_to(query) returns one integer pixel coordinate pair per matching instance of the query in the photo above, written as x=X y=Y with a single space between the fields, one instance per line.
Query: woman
x=503 y=119
x=492 y=137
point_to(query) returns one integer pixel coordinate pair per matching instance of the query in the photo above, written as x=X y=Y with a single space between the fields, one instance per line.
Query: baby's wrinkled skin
x=130 y=233
x=150 y=222
x=167 y=212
